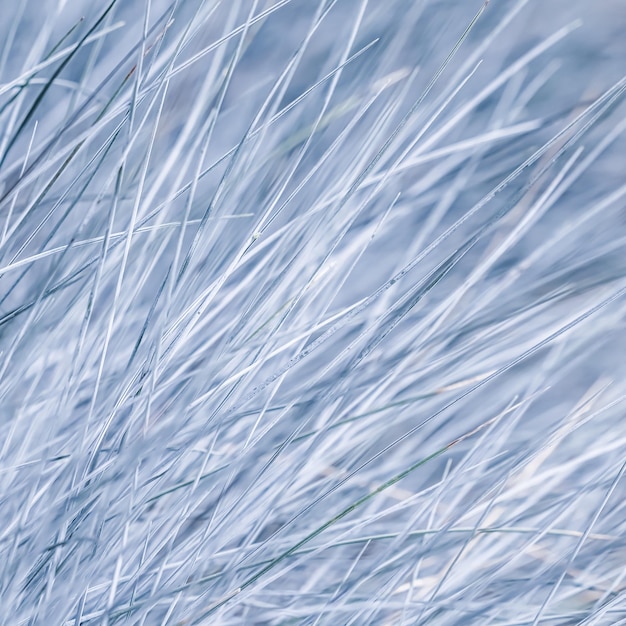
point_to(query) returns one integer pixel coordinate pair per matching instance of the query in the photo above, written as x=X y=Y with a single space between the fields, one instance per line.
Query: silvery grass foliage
x=312 y=312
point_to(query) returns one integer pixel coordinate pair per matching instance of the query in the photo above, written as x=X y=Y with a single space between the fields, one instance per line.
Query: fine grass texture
x=312 y=312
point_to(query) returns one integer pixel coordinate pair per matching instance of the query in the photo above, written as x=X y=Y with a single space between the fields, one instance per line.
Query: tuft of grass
x=312 y=312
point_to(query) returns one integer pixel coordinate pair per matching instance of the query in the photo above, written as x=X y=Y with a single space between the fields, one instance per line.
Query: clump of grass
x=312 y=313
